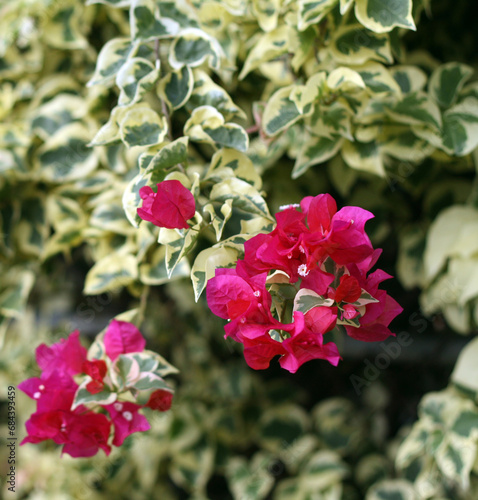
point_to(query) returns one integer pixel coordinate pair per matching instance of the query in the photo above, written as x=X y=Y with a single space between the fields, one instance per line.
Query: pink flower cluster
x=296 y=283
x=83 y=431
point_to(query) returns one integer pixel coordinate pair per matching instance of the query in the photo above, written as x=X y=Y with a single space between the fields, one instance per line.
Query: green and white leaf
x=242 y=194
x=135 y=77
x=219 y=219
x=147 y=23
x=110 y=60
x=110 y=273
x=178 y=243
x=450 y=226
x=306 y=299
x=345 y=79
x=66 y=156
x=409 y=78
x=141 y=126
x=267 y=13
x=378 y=79
x=416 y=109
x=176 y=87
x=382 y=16
x=269 y=46
x=314 y=151
x=232 y=163
x=83 y=397
x=206 y=124
x=354 y=44
x=193 y=47
x=396 y=489
x=154 y=272
x=465 y=373
x=446 y=82
x=365 y=156
x=110 y=132
x=207 y=262
x=313 y=11
x=14 y=298
x=208 y=93
x=280 y=112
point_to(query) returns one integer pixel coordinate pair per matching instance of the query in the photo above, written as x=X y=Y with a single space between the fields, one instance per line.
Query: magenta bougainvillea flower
x=171 y=206
x=80 y=414
x=298 y=282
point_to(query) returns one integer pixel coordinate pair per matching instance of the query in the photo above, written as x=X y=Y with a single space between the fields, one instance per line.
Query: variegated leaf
x=206 y=124
x=305 y=300
x=83 y=397
x=207 y=262
x=176 y=87
x=193 y=47
x=364 y=156
x=110 y=60
x=134 y=78
x=446 y=82
x=313 y=11
x=148 y=24
x=155 y=272
x=269 y=46
x=141 y=126
x=382 y=16
x=354 y=44
x=280 y=112
x=110 y=273
x=314 y=151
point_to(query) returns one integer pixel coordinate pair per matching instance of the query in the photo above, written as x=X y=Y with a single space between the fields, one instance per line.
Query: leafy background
x=100 y=98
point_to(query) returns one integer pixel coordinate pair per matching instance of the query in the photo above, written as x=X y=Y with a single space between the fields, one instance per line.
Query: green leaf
x=207 y=262
x=147 y=23
x=110 y=273
x=14 y=298
x=391 y=489
x=178 y=244
x=314 y=151
x=250 y=481
x=242 y=194
x=227 y=163
x=280 y=112
x=305 y=300
x=409 y=78
x=416 y=109
x=177 y=87
x=111 y=217
x=193 y=47
x=355 y=45
x=135 y=77
x=110 y=60
x=141 y=126
x=377 y=78
x=206 y=124
x=455 y=460
x=465 y=373
x=155 y=271
x=208 y=93
x=219 y=219
x=269 y=46
x=382 y=16
x=446 y=82
x=66 y=156
x=83 y=397
x=313 y=11
x=364 y=156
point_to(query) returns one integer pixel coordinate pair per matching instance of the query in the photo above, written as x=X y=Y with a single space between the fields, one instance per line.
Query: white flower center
x=292 y=205
x=41 y=387
x=302 y=270
x=37 y=395
x=118 y=406
x=257 y=293
x=128 y=416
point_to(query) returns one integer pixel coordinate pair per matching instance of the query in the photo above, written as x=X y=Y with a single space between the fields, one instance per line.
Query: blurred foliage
x=233 y=98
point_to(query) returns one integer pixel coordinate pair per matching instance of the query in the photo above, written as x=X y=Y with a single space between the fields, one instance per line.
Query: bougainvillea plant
x=81 y=401
x=296 y=283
